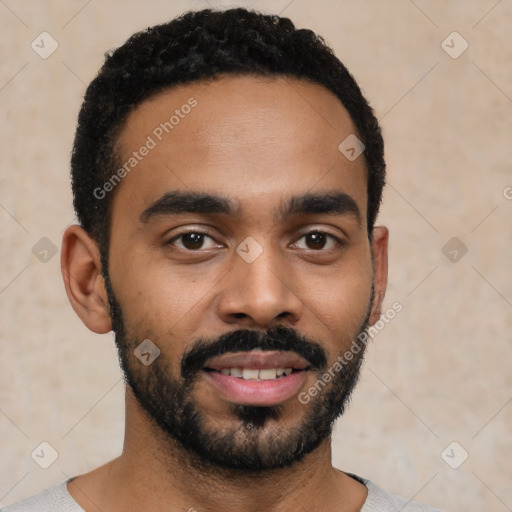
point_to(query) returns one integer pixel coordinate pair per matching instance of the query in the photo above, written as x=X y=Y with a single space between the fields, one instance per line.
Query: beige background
x=439 y=372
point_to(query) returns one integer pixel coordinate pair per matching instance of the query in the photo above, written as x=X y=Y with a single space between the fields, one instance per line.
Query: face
x=239 y=247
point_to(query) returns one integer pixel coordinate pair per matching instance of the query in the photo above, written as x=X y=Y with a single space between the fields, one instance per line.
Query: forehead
x=242 y=136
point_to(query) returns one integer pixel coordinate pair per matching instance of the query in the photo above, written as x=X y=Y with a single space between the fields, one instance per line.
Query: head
x=219 y=217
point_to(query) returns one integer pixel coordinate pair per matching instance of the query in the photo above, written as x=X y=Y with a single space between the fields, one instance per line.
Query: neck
x=155 y=469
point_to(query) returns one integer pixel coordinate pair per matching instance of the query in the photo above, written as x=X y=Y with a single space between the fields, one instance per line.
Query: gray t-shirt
x=58 y=499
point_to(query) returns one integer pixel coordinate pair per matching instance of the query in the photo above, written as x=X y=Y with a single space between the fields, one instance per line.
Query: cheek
x=160 y=304
x=337 y=302
x=153 y=291
x=343 y=309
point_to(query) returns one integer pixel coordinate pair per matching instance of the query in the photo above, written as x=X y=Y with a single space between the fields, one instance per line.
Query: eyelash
x=207 y=234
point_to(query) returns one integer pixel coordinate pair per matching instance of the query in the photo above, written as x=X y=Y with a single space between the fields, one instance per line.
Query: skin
x=256 y=141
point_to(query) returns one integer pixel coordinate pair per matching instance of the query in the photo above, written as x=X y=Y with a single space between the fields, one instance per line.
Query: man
x=227 y=174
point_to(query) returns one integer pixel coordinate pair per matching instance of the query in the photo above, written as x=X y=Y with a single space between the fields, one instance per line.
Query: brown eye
x=318 y=240
x=192 y=241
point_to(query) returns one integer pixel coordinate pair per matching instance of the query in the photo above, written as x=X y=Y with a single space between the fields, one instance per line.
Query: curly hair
x=201 y=45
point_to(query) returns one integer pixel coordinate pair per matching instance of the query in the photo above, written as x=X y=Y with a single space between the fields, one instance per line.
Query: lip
x=256 y=392
x=258 y=359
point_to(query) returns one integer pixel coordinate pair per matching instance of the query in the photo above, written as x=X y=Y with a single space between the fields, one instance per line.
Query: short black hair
x=202 y=45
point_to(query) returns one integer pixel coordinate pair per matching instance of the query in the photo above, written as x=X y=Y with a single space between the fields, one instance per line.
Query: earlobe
x=81 y=271
x=380 y=237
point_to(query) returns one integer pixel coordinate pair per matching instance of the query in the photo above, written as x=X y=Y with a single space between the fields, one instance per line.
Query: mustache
x=277 y=338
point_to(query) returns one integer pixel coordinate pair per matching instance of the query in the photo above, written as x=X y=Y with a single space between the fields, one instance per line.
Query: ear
x=380 y=239
x=81 y=269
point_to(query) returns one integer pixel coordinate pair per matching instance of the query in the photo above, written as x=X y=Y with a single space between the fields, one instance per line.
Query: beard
x=257 y=440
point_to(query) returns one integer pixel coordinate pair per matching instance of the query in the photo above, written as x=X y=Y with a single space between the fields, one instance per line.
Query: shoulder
x=54 y=499
x=379 y=500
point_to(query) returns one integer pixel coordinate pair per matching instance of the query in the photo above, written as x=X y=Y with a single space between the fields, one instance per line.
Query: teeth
x=254 y=374
x=236 y=372
x=267 y=374
x=249 y=374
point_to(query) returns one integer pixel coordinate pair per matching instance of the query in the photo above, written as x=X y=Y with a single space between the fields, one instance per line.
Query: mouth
x=257 y=378
x=255 y=373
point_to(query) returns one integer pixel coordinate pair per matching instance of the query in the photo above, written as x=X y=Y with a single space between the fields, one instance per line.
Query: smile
x=257 y=377
x=255 y=373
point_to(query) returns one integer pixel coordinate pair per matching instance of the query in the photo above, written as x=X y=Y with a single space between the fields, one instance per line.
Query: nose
x=259 y=294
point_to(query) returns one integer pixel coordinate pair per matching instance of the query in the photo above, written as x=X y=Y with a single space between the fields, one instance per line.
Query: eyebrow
x=327 y=203
x=175 y=203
